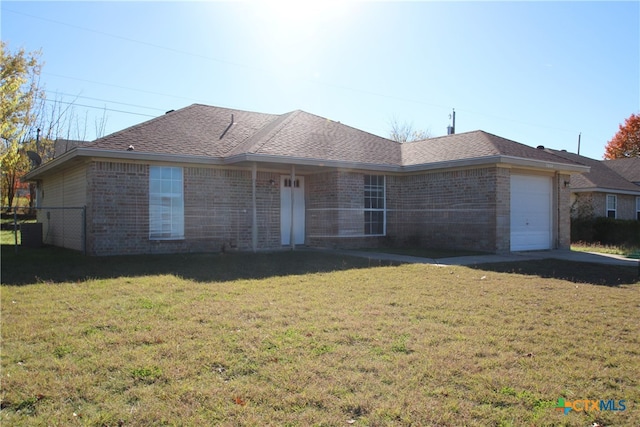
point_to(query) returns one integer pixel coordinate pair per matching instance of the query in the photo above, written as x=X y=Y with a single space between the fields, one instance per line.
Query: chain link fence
x=63 y=227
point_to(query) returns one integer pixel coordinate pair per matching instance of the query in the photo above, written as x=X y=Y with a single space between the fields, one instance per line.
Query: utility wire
x=97 y=108
x=107 y=101
x=197 y=55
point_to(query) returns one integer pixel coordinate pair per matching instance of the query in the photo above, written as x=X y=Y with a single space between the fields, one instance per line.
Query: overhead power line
x=107 y=101
x=97 y=108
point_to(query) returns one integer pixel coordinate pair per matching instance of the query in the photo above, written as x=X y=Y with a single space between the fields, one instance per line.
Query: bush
x=606 y=231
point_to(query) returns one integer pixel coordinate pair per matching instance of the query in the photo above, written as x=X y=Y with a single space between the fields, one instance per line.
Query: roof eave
x=545 y=164
x=278 y=159
x=499 y=159
x=303 y=161
x=605 y=190
x=119 y=155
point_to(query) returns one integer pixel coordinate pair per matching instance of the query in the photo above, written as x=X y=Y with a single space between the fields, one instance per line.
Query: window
x=638 y=208
x=374 y=205
x=611 y=206
x=166 y=203
x=287 y=183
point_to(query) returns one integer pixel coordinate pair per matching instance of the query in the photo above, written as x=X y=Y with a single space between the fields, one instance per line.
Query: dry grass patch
x=395 y=345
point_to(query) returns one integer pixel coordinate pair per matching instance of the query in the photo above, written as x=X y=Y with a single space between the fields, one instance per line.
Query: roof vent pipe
x=451 y=129
x=228 y=127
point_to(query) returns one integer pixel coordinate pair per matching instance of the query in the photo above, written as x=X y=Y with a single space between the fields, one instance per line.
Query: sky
x=540 y=73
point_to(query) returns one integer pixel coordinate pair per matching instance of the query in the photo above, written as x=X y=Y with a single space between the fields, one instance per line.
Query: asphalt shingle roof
x=627 y=168
x=196 y=130
x=470 y=145
x=202 y=130
x=600 y=175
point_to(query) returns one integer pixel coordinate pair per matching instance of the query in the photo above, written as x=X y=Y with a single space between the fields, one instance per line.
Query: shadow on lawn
x=577 y=272
x=56 y=265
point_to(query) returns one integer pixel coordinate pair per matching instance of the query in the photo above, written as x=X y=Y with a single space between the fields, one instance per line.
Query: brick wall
x=217 y=208
x=503 y=210
x=117 y=208
x=335 y=203
x=563 y=211
x=452 y=209
x=455 y=209
x=595 y=204
x=463 y=209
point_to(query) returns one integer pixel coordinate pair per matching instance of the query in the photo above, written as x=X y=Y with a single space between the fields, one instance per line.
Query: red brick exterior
x=460 y=209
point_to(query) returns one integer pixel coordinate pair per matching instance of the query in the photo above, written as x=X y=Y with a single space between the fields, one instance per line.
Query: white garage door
x=530 y=212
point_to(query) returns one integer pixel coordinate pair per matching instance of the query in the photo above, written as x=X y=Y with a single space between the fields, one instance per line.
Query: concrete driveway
x=591 y=257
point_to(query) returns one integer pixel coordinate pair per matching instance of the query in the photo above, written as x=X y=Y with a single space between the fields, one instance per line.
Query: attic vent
x=540 y=147
x=170 y=111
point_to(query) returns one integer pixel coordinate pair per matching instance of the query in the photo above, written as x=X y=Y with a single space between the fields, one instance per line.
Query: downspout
x=292 y=240
x=254 y=217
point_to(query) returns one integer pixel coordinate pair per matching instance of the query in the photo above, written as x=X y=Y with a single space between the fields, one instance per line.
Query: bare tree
x=404 y=132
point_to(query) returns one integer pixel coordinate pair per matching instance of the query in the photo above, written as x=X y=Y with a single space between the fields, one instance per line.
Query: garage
x=531 y=212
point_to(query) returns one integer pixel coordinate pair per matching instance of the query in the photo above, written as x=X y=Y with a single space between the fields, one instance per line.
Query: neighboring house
x=610 y=189
x=629 y=168
x=204 y=178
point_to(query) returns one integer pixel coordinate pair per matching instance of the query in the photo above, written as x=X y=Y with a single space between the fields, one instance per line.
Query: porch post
x=254 y=219
x=292 y=239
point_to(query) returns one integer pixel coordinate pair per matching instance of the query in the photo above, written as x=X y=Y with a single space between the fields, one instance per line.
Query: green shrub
x=606 y=231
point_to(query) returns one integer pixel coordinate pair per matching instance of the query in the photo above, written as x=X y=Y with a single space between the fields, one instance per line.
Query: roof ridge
x=431 y=138
x=262 y=136
x=348 y=126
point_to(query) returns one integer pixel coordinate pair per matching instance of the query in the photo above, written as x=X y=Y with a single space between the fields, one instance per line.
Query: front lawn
x=305 y=338
x=626 y=251
x=424 y=252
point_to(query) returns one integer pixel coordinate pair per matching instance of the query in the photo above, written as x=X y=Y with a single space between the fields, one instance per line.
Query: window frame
x=608 y=211
x=375 y=205
x=166 y=203
x=638 y=208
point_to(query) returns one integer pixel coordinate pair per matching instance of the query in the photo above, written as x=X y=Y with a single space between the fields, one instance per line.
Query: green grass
x=626 y=251
x=306 y=338
x=424 y=252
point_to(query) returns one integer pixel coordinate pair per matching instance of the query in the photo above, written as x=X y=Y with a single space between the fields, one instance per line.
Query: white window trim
x=615 y=206
x=384 y=207
x=176 y=225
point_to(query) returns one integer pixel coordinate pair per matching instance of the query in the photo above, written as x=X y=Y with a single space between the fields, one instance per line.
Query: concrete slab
x=567 y=255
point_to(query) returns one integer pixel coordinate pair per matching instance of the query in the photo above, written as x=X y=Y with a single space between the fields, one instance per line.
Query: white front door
x=292 y=202
x=530 y=212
